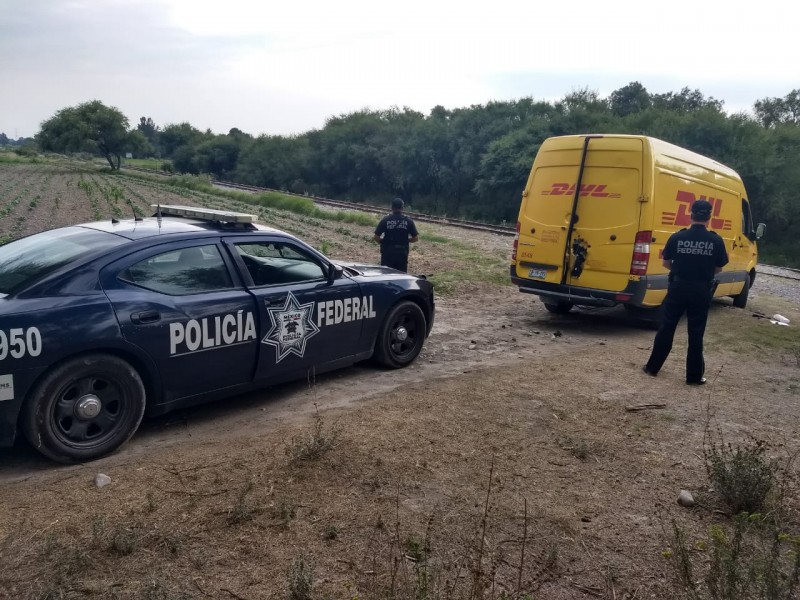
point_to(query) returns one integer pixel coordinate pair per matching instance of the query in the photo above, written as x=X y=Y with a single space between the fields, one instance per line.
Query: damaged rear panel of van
x=579 y=220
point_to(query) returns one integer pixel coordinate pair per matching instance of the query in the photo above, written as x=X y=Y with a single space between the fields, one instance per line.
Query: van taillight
x=514 y=247
x=641 y=253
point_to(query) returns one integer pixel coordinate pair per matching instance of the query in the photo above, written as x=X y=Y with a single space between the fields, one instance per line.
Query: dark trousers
x=694 y=299
x=396 y=258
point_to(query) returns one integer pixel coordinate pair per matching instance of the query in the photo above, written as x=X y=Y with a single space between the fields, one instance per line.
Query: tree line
x=469 y=162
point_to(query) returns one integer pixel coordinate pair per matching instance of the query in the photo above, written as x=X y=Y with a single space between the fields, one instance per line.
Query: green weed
x=749 y=558
x=315 y=444
x=301 y=578
x=741 y=475
x=242 y=510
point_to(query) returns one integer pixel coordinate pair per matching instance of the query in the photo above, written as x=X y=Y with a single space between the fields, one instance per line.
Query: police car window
x=279 y=263
x=25 y=261
x=181 y=272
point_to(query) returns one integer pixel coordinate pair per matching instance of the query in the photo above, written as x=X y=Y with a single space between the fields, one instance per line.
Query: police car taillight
x=516 y=243
x=641 y=253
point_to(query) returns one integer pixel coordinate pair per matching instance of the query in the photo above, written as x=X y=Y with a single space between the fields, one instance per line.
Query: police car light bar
x=204 y=214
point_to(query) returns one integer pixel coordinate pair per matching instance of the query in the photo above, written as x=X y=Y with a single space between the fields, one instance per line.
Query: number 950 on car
x=19 y=343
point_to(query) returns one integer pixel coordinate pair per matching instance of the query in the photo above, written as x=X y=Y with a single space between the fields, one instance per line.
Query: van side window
x=747 y=219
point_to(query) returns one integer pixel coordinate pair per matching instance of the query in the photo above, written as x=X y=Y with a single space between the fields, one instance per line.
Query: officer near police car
x=693 y=257
x=394 y=233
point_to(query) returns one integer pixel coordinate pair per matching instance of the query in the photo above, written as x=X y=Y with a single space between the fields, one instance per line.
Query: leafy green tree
x=632 y=98
x=218 y=155
x=504 y=170
x=275 y=162
x=177 y=135
x=138 y=145
x=149 y=130
x=344 y=155
x=685 y=101
x=86 y=127
x=777 y=111
x=184 y=159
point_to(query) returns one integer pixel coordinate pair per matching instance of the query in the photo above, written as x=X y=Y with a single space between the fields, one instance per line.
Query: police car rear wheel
x=401 y=336
x=85 y=408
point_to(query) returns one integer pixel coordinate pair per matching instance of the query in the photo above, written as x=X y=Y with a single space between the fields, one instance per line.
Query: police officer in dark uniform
x=398 y=230
x=693 y=256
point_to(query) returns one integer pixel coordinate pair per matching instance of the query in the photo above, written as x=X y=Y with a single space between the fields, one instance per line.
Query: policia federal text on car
x=693 y=256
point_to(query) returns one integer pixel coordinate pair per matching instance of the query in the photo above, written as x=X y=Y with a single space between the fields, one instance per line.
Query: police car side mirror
x=760 y=228
x=334 y=272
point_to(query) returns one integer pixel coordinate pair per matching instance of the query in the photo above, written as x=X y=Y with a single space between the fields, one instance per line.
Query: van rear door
x=580 y=214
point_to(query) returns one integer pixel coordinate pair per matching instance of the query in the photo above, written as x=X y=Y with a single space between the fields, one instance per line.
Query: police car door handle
x=148 y=316
x=275 y=300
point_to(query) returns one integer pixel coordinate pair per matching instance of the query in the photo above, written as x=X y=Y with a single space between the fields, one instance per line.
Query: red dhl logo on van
x=683 y=217
x=587 y=189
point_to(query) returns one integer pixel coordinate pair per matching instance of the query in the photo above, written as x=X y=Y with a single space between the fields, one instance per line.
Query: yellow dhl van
x=598 y=209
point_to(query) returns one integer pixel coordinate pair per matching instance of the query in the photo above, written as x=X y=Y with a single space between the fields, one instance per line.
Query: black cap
x=701 y=210
x=397 y=204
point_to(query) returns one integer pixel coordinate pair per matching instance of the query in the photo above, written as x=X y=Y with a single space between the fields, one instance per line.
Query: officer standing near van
x=398 y=230
x=693 y=256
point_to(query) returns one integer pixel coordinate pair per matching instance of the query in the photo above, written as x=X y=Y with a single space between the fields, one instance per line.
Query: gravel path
x=777 y=281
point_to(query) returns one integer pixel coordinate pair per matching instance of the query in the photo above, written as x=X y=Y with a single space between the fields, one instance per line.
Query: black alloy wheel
x=401 y=336
x=84 y=409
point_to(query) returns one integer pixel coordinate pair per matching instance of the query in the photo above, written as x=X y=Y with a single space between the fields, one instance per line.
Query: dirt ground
x=504 y=461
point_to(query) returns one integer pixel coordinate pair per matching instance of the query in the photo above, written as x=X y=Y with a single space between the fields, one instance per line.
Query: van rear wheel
x=558 y=308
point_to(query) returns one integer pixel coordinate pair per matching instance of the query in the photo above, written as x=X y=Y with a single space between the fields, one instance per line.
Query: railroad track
x=341 y=204
x=784 y=272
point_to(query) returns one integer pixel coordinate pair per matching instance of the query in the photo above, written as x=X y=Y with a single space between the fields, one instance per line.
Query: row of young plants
x=18 y=189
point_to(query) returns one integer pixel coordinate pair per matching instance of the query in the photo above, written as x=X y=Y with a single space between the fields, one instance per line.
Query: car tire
x=84 y=408
x=558 y=308
x=401 y=336
x=740 y=300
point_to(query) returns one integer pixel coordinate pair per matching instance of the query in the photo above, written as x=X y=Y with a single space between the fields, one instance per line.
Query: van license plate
x=537 y=273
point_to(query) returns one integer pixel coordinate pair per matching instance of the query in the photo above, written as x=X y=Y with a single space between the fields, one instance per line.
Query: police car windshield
x=25 y=261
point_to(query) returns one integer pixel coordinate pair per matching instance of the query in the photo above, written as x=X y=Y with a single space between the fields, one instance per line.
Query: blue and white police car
x=105 y=322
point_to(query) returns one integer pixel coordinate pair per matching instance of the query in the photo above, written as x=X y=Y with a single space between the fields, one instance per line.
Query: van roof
x=660 y=149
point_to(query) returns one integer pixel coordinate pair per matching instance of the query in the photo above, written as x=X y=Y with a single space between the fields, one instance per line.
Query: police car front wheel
x=84 y=409
x=401 y=336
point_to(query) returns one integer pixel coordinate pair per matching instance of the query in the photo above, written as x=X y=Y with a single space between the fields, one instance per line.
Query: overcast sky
x=270 y=67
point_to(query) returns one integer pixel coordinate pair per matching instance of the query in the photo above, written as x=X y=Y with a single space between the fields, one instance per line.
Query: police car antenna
x=135 y=218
